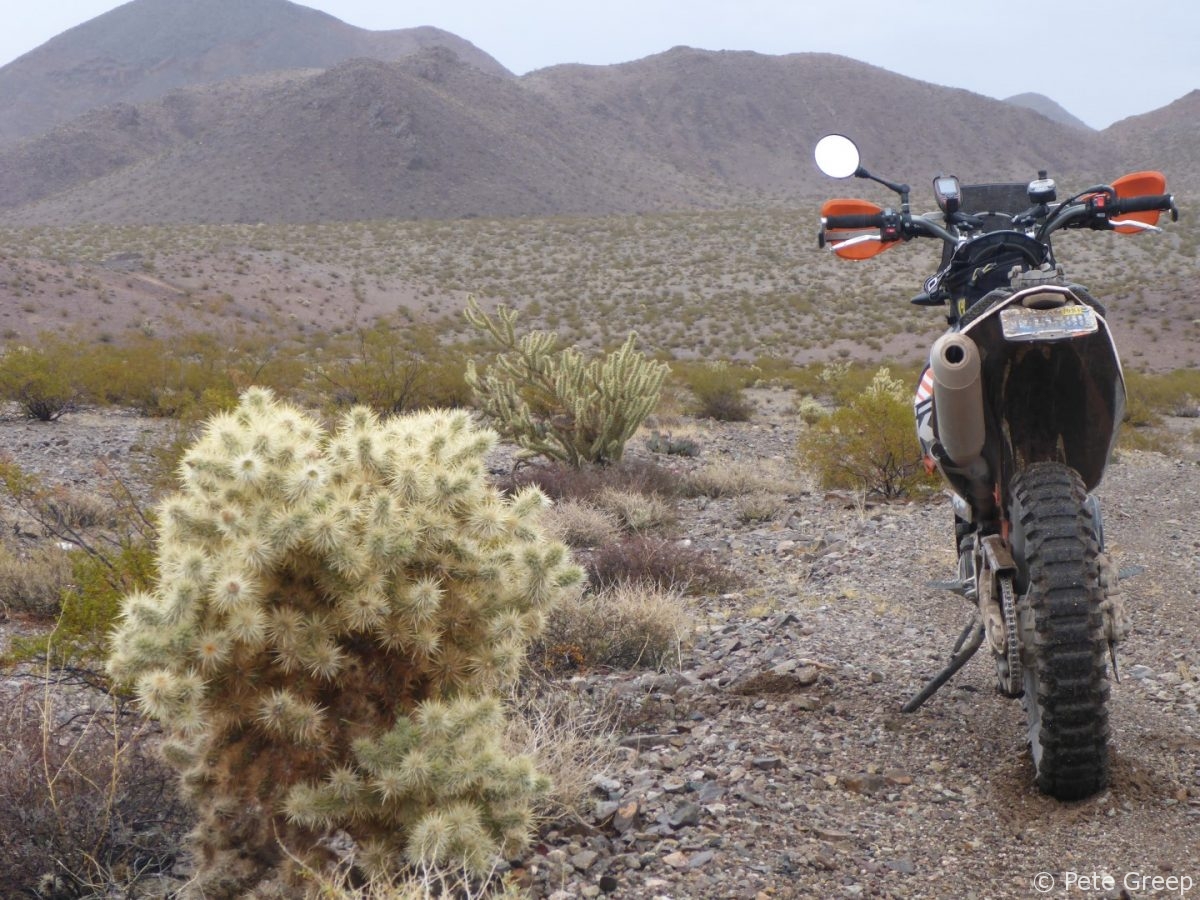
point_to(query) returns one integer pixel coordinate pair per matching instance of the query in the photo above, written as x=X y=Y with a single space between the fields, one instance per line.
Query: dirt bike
x=1018 y=409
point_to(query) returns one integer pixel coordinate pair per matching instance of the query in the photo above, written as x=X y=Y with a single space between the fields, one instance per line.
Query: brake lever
x=858 y=239
x=1134 y=223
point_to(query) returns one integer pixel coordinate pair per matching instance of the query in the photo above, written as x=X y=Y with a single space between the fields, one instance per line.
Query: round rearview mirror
x=837 y=156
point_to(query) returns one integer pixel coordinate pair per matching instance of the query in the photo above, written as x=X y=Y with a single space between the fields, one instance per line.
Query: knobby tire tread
x=1068 y=655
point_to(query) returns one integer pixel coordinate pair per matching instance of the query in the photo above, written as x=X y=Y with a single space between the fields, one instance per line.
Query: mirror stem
x=901 y=189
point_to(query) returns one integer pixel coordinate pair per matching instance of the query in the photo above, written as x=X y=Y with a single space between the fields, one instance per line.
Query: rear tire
x=1064 y=648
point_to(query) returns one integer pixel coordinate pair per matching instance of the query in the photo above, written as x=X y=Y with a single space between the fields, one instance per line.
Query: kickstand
x=959 y=656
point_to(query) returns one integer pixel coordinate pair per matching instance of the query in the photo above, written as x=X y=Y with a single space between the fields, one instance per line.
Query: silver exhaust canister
x=958 y=399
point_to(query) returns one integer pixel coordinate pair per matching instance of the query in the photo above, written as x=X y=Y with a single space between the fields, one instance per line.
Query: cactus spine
x=555 y=403
x=333 y=616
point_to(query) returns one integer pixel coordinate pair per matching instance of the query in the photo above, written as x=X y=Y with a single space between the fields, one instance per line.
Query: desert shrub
x=335 y=613
x=625 y=626
x=719 y=391
x=395 y=368
x=191 y=374
x=672 y=445
x=634 y=510
x=58 y=510
x=561 y=482
x=578 y=523
x=42 y=379
x=555 y=403
x=86 y=807
x=658 y=561
x=810 y=410
x=1149 y=397
x=734 y=479
x=569 y=736
x=90 y=608
x=68 y=510
x=760 y=506
x=1148 y=439
x=868 y=445
x=33 y=580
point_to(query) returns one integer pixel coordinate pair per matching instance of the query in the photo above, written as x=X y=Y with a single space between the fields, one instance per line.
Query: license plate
x=1021 y=324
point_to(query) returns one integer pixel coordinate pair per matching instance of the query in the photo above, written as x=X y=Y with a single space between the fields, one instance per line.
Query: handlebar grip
x=871 y=221
x=1140 y=204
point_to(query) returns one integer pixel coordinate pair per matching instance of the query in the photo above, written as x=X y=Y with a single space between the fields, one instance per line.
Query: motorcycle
x=1018 y=409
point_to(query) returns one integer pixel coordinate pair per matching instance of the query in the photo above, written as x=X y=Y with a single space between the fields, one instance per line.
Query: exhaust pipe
x=958 y=400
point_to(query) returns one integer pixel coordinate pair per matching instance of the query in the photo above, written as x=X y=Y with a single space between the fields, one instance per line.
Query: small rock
x=864 y=784
x=625 y=815
x=685 y=815
x=584 y=860
x=676 y=860
x=605 y=784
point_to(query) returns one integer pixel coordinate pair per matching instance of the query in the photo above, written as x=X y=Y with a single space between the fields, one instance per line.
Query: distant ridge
x=1167 y=139
x=146 y=48
x=1040 y=103
x=441 y=132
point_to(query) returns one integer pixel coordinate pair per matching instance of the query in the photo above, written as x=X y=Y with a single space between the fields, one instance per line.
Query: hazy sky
x=1069 y=50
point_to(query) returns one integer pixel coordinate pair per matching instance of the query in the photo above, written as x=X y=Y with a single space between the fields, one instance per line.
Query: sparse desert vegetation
x=701 y=304
x=729 y=285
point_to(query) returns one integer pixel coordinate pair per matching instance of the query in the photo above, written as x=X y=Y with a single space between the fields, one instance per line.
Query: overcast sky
x=1069 y=50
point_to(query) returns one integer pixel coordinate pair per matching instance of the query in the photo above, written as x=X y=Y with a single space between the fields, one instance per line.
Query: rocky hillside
x=166 y=111
x=426 y=137
x=1166 y=139
x=430 y=136
x=146 y=48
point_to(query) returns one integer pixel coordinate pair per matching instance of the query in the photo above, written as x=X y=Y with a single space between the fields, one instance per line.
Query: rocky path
x=775 y=762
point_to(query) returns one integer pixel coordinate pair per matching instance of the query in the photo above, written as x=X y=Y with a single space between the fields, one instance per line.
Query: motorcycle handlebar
x=872 y=221
x=1140 y=204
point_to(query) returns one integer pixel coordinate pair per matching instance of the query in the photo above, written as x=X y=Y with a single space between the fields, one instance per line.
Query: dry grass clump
x=569 y=737
x=580 y=524
x=658 y=561
x=86 y=808
x=559 y=482
x=735 y=479
x=33 y=580
x=636 y=511
x=759 y=506
x=74 y=511
x=625 y=625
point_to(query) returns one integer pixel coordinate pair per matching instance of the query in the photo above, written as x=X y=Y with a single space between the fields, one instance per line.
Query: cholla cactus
x=333 y=615
x=555 y=403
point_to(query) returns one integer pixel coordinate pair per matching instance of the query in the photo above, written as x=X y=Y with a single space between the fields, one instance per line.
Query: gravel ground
x=775 y=761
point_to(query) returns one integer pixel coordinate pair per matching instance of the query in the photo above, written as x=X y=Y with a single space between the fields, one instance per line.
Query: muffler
x=958 y=401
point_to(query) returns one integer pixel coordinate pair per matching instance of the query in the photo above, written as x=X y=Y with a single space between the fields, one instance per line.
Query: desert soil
x=774 y=761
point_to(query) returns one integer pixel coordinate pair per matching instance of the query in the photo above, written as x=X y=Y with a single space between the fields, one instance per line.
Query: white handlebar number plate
x=1021 y=324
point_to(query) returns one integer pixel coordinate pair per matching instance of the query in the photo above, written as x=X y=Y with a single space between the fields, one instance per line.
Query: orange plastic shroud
x=844 y=206
x=1139 y=184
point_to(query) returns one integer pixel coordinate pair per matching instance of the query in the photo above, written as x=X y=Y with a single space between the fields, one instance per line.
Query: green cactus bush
x=334 y=615
x=555 y=403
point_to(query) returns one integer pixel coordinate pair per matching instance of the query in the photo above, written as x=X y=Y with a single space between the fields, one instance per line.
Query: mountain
x=1167 y=139
x=425 y=137
x=750 y=120
x=146 y=48
x=1040 y=103
x=431 y=136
